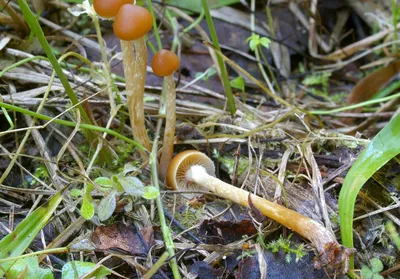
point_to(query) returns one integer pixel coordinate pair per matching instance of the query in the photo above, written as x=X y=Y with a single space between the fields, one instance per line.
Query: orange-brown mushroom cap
x=109 y=8
x=165 y=63
x=132 y=22
x=181 y=163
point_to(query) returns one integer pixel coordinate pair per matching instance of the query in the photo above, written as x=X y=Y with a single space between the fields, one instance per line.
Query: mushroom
x=131 y=25
x=107 y=8
x=164 y=64
x=191 y=170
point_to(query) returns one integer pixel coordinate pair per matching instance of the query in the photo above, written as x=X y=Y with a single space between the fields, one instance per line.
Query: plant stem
x=28 y=132
x=22 y=26
x=363 y=104
x=106 y=64
x=38 y=31
x=70 y=124
x=395 y=14
x=224 y=73
x=194 y=23
x=256 y=50
x=134 y=100
x=61 y=250
x=169 y=243
x=156 y=266
x=155 y=27
x=169 y=131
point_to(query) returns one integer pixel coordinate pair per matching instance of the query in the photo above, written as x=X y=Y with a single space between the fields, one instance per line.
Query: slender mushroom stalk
x=164 y=64
x=130 y=25
x=194 y=170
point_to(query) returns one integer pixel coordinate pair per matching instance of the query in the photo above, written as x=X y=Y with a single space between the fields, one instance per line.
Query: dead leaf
x=128 y=239
x=225 y=232
x=205 y=271
x=372 y=83
x=248 y=268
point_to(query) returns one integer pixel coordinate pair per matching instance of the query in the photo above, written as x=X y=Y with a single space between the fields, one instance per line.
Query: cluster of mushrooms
x=131 y=24
x=193 y=170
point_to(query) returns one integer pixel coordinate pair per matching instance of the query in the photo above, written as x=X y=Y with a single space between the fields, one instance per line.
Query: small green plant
x=75 y=269
x=246 y=254
x=256 y=41
x=29 y=268
x=321 y=79
x=394 y=235
x=372 y=272
x=40 y=173
x=287 y=247
x=112 y=188
x=207 y=74
x=229 y=163
x=238 y=83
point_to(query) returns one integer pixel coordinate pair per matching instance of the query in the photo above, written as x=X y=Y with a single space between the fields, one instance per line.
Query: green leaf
x=87 y=209
x=104 y=182
x=380 y=150
x=107 y=206
x=129 y=167
x=238 y=83
x=76 y=193
x=366 y=273
x=376 y=265
x=150 y=193
x=29 y=268
x=377 y=276
x=15 y=243
x=132 y=186
x=265 y=42
x=253 y=44
x=116 y=184
x=252 y=37
x=75 y=269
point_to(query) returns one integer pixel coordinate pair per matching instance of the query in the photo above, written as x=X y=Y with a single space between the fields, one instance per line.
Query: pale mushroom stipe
x=191 y=170
x=131 y=24
x=165 y=63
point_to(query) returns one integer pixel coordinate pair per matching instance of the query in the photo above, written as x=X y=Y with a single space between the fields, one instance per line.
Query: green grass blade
x=380 y=150
x=85 y=127
x=224 y=73
x=15 y=243
x=37 y=30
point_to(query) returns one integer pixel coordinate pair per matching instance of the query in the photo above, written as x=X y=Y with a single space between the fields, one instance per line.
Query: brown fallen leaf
x=121 y=237
x=225 y=232
x=372 y=83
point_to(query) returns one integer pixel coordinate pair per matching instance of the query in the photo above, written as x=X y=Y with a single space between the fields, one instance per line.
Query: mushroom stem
x=169 y=132
x=323 y=240
x=135 y=88
x=139 y=83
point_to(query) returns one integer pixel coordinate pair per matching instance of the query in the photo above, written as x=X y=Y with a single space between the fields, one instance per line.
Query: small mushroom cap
x=181 y=163
x=109 y=8
x=132 y=22
x=165 y=63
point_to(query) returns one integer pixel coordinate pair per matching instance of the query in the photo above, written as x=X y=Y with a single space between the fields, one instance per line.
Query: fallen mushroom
x=107 y=8
x=131 y=24
x=164 y=64
x=193 y=170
